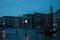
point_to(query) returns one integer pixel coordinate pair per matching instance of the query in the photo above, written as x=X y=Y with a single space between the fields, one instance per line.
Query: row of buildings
x=33 y=20
x=30 y=20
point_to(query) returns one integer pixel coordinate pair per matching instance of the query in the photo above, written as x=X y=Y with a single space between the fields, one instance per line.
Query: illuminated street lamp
x=26 y=25
x=55 y=30
x=55 y=27
x=26 y=21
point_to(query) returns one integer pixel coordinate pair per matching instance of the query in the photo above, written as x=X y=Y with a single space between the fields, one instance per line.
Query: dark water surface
x=32 y=35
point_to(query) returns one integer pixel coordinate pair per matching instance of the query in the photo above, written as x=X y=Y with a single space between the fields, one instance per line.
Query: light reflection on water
x=21 y=34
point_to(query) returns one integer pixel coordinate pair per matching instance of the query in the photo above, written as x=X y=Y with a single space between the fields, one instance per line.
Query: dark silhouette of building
x=57 y=23
x=9 y=21
x=20 y=22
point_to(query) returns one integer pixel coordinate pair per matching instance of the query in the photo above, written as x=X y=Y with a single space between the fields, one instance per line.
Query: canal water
x=31 y=33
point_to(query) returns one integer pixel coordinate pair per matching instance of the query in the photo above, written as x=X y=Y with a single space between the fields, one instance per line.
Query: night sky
x=20 y=7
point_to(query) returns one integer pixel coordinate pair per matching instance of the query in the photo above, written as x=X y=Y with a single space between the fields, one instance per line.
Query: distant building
x=0 y=21
x=20 y=22
x=10 y=21
x=28 y=20
x=39 y=20
x=57 y=18
x=57 y=23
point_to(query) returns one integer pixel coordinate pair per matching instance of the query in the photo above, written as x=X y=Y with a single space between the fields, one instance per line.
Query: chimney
x=51 y=16
x=51 y=9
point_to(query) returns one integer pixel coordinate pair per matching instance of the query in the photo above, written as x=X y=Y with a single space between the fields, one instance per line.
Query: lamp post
x=26 y=25
x=26 y=37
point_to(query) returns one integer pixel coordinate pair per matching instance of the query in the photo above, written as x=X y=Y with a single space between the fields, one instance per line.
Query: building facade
x=57 y=23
